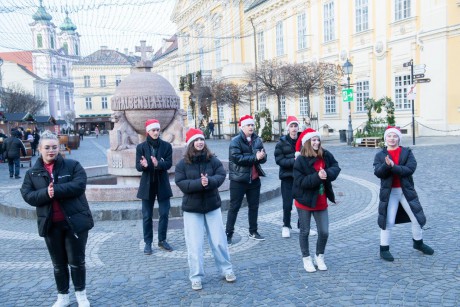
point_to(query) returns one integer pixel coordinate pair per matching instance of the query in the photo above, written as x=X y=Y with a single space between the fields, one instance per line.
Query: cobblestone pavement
x=269 y=273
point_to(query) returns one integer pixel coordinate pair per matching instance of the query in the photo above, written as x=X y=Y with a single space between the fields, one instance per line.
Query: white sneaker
x=62 y=300
x=313 y=232
x=308 y=264
x=196 y=285
x=319 y=261
x=286 y=232
x=82 y=300
x=230 y=277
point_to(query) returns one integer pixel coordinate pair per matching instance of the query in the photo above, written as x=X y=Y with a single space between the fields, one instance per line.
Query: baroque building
x=222 y=39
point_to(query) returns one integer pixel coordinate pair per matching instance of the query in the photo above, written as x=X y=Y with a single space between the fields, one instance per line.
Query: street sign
x=419 y=71
x=419 y=76
x=426 y=80
x=411 y=92
x=347 y=95
x=407 y=64
x=420 y=66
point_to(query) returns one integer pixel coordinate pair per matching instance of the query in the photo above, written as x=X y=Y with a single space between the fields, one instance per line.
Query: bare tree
x=232 y=95
x=16 y=99
x=312 y=78
x=273 y=80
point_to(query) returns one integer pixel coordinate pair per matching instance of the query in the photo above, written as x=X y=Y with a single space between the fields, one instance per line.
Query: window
x=103 y=81
x=187 y=63
x=401 y=84
x=263 y=102
x=87 y=81
x=303 y=105
x=67 y=100
x=329 y=98
x=64 y=71
x=283 y=105
x=218 y=53
x=201 y=52
x=402 y=9
x=65 y=46
x=362 y=94
x=302 y=31
x=76 y=49
x=329 y=22
x=190 y=115
x=89 y=103
x=117 y=80
x=221 y=112
x=260 y=46
x=362 y=15
x=52 y=42
x=279 y=39
x=58 y=104
x=54 y=68
x=39 y=41
x=104 y=102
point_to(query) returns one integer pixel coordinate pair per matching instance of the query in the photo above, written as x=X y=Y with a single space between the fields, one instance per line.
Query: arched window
x=39 y=41
x=65 y=46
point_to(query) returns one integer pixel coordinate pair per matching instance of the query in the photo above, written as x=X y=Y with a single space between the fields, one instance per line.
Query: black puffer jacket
x=307 y=182
x=405 y=168
x=242 y=157
x=285 y=156
x=13 y=147
x=197 y=198
x=69 y=191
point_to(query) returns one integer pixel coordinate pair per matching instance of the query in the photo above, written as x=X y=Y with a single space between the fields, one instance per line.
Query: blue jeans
x=322 y=224
x=14 y=166
x=237 y=192
x=195 y=225
x=147 y=216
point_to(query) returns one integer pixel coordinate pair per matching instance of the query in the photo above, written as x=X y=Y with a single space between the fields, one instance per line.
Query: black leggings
x=67 y=250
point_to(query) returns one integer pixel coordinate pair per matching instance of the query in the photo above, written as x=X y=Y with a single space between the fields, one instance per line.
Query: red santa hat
x=151 y=124
x=291 y=120
x=246 y=120
x=193 y=134
x=393 y=129
x=305 y=136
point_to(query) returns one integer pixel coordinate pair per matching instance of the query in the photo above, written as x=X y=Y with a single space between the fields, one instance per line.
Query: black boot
x=419 y=245
x=385 y=253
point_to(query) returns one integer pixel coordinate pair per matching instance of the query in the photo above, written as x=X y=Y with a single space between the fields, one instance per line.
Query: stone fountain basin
x=137 y=118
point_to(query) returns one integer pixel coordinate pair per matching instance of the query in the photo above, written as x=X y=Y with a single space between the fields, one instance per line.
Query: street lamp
x=1 y=80
x=249 y=88
x=348 y=70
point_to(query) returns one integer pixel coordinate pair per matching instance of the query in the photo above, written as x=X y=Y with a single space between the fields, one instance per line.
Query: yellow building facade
x=96 y=78
x=224 y=38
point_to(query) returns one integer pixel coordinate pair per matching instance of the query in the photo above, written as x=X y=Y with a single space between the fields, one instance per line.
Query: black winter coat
x=69 y=191
x=307 y=182
x=12 y=148
x=197 y=198
x=242 y=157
x=285 y=157
x=164 y=157
x=405 y=168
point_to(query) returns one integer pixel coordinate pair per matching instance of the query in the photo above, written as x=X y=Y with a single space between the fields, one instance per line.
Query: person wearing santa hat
x=246 y=154
x=199 y=175
x=399 y=202
x=153 y=159
x=314 y=170
x=285 y=158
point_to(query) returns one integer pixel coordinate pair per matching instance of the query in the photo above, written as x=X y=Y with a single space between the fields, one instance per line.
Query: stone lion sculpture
x=175 y=132
x=123 y=136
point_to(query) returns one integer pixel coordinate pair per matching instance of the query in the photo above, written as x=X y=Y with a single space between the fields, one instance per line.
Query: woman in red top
x=314 y=170
x=399 y=202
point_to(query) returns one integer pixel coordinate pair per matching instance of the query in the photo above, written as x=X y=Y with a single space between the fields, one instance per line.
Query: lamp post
x=348 y=70
x=249 y=88
x=1 y=81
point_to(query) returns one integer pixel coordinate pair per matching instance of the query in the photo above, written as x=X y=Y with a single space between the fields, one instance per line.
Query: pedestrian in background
x=81 y=133
x=12 y=149
x=211 y=128
x=96 y=131
x=199 y=175
x=36 y=140
x=399 y=202
x=314 y=170
x=154 y=159
x=56 y=187
x=246 y=154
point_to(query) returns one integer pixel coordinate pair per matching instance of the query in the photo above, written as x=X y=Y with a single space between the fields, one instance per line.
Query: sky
x=117 y=24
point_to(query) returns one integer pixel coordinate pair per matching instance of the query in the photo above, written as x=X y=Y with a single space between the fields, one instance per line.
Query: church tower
x=43 y=30
x=68 y=38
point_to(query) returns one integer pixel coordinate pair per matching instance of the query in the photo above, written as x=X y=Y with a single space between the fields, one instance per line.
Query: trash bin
x=343 y=136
